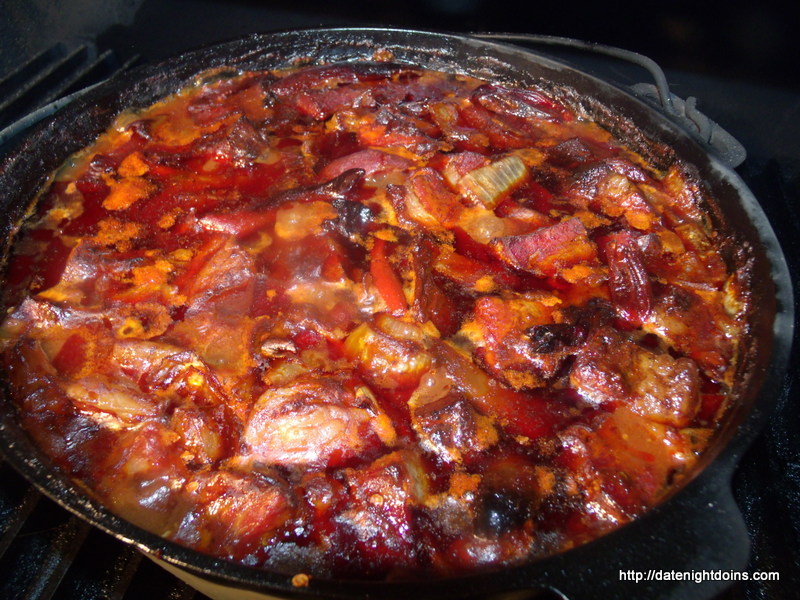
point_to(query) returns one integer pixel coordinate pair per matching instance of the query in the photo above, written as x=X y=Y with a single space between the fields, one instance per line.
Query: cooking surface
x=46 y=553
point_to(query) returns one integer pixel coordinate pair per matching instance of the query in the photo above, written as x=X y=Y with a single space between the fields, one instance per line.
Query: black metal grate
x=47 y=553
x=32 y=91
x=49 y=75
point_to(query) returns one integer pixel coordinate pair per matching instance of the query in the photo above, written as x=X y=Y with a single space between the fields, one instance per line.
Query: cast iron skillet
x=697 y=528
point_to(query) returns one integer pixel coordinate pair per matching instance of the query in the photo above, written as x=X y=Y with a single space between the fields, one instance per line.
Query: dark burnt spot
x=555 y=337
x=502 y=511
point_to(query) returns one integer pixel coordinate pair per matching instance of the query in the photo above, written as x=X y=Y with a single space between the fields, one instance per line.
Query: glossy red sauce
x=369 y=320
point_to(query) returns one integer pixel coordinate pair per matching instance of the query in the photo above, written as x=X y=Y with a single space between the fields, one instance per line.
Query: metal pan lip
x=741 y=429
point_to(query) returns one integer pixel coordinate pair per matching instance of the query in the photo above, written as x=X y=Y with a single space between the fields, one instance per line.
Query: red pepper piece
x=386 y=280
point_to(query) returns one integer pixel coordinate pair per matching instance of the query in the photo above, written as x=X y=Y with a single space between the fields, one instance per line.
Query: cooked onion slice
x=488 y=184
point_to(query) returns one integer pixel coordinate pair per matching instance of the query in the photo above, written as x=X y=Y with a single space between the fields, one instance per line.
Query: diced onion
x=482 y=225
x=96 y=394
x=400 y=330
x=488 y=184
x=297 y=221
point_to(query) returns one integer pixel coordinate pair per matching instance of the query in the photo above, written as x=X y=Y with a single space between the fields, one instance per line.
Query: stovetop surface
x=765 y=119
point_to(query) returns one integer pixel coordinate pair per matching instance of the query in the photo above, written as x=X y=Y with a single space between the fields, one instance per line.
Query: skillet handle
x=683 y=112
x=647 y=63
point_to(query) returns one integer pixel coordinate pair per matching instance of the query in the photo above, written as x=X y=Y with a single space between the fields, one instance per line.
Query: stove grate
x=47 y=553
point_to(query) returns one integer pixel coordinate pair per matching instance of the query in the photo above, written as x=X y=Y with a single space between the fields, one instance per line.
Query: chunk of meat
x=643 y=454
x=499 y=329
x=570 y=153
x=317 y=423
x=667 y=258
x=527 y=414
x=447 y=424
x=595 y=509
x=142 y=477
x=548 y=250
x=87 y=268
x=370 y=160
x=204 y=437
x=378 y=514
x=139 y=359
x=387 y=361
x=240 y=144
x=234 y=514
x=468 y=273
x=528 y=105
x=665 y=389
x=49 y=414
x=112 y=404
x=342 y=187
x=611 y=370
x=318 y=92
x=452 y=428
x=225 y=279
x=618 y=196
x=171 y=373
x=429 y=201
x=392 y=129
x=448 y=117
x=696 y=327
x=629 y=282
x=430 y=302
